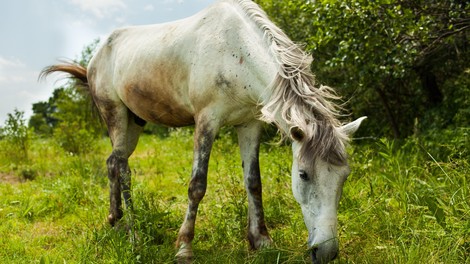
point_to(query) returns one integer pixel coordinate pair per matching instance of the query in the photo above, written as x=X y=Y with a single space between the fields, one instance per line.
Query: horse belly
x=157 y=106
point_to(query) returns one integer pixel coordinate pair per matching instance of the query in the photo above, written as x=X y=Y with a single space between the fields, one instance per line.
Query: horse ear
x=352 y=127
x=296 y=133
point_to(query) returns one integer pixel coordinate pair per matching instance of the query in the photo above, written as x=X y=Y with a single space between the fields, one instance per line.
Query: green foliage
x=69 y=118
x=50 y=114
x=68 y=115
x=88 y=52
x=76 y=129
x=454 y=112
x=42 y=121
x=403 y=203
x=406 y=198
x=158 y=130
x=388 y=58
x=447 y=144
x=15 y=138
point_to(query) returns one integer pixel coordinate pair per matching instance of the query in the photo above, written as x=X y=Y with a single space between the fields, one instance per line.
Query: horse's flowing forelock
x=294 y=96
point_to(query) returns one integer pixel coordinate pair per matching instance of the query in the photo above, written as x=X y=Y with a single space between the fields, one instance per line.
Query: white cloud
x=12 y=70
x=19 y=87
x=100 y=8
x=149 y=7
x=9 y=63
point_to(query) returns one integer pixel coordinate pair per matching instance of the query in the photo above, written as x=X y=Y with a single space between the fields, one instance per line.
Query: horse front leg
x=248 y=139
x=203 y=139
x=124 y=178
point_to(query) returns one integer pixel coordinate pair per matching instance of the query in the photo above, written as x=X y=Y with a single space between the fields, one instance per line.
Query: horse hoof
x=185 y=254
x=111 y=219
x=265 y=242
x=181 y=260
x=261 y=241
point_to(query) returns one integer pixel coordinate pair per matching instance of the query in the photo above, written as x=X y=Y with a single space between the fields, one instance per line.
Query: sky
x=38 y=33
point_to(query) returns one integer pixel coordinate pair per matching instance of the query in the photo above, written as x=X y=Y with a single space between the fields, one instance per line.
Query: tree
x=43 y=120
x=77 y=127
x=68 y=114
x=389 y=58
x=17 y=136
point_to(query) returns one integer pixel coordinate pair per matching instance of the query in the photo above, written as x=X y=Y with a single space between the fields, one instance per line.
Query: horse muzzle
x=324 y=252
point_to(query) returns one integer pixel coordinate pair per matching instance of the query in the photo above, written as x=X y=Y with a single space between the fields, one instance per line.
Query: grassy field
x=404 y=202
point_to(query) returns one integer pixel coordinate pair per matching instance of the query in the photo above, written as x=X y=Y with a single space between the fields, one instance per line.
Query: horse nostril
x=313 y=254
x=319 y=259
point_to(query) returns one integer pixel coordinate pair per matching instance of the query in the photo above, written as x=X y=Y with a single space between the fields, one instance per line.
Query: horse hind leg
x=124 y=133
x=248 y=140
x=119 y=176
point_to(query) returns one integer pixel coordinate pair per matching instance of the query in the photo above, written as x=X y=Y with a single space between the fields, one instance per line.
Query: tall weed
x=411 y=202
x=402 y=203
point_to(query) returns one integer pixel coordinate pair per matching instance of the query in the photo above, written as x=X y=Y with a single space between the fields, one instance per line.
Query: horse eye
x=303 y=175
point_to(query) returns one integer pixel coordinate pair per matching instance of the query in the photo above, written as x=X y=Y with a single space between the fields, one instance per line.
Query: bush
x=76 y=128
x=74 y=138
x=15 y=138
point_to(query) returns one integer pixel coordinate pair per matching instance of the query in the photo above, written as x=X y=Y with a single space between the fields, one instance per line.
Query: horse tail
x=76 y=71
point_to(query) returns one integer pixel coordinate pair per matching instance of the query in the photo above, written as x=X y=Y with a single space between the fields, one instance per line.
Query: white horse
x=228 y=65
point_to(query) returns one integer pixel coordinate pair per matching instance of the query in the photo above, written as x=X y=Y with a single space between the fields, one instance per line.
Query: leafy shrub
x=74 y=138
x=393 y=61
x=15 y=138
x=76 y=128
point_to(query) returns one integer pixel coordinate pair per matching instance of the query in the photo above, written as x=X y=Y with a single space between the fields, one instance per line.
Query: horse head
x=317 y=186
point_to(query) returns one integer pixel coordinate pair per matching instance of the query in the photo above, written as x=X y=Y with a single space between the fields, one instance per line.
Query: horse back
x=169 y=73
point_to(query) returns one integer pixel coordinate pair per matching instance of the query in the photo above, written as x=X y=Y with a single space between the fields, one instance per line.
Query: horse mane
x=295 y=98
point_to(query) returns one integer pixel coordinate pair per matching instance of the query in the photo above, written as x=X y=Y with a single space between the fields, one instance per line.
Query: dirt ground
x=9 y=178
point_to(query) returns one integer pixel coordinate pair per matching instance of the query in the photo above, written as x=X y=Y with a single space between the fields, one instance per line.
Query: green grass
x=403 y=203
